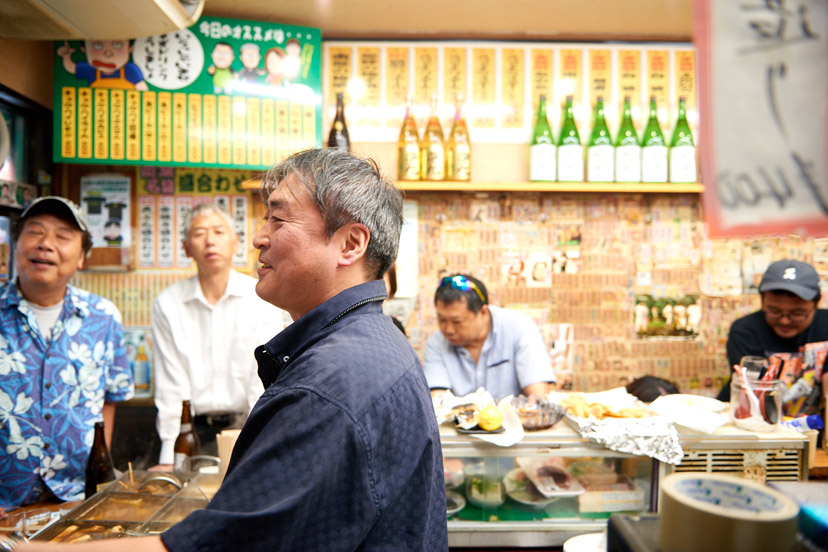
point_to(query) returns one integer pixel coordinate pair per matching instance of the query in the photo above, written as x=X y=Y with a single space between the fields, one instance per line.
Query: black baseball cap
x=797 y=277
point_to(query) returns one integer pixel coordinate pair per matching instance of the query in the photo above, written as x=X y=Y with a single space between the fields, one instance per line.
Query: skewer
x=131 y=480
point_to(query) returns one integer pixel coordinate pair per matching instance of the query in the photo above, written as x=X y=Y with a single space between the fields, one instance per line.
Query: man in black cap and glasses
x=480 y=345
x=789 y=329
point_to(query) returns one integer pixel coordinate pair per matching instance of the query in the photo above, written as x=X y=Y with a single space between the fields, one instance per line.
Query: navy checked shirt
x=342 y=450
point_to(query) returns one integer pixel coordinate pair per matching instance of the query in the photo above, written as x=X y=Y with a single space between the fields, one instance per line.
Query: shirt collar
x=235 y=287
x=12 y=297
x=297 y=337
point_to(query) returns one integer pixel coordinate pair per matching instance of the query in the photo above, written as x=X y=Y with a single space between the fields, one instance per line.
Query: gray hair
x=347 y=189
x=204 y=209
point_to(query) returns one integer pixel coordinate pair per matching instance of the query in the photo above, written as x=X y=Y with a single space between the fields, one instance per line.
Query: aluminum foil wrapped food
x=654 y=437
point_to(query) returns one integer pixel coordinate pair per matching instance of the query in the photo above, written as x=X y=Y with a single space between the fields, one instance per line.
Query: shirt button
x=46 y=446
x=47 y=416
x=48 y=385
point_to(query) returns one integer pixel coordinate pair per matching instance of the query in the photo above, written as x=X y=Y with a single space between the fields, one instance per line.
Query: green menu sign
x=222 y=93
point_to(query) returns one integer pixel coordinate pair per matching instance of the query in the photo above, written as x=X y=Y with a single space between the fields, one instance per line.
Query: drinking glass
x=753 y=367
x=36 y=519
x=11 y=525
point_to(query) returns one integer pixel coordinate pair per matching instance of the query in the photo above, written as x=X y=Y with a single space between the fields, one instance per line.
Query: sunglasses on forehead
x=463 y=284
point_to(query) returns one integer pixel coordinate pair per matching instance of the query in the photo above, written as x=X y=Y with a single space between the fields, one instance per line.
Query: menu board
x=221 y=93
x=499 y=83
x=167 y=194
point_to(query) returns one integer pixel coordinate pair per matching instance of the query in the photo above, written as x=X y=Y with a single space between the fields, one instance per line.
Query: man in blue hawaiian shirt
x=63 y=363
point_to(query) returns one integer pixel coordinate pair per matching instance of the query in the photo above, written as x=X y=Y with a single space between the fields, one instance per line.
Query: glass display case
x=490 y=504
x=550 y=486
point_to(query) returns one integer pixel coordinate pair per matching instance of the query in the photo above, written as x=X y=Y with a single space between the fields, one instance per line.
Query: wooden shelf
x=612 y=187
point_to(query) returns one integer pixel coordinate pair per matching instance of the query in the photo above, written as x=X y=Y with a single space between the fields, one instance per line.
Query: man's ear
x=186 y=249
x=355 y=238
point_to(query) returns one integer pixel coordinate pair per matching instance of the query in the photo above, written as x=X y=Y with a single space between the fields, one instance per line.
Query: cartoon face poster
x=223 y=92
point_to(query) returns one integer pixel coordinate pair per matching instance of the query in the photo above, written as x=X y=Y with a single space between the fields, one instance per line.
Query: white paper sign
x=764 y=75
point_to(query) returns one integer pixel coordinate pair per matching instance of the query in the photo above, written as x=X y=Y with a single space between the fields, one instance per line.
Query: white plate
x=515 y=489
x=458 y=500
x=694 y=401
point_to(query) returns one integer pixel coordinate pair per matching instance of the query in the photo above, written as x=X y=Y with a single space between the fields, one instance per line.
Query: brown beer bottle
x=338 y=138
x=186 y=444
x=99 y=469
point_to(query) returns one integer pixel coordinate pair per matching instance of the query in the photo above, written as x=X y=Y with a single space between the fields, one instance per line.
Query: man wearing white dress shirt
x=205 y=330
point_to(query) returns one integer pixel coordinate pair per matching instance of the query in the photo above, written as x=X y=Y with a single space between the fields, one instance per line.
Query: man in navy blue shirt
x=342 y=451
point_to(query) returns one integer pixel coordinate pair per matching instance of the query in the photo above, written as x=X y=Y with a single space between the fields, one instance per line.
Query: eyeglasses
x=463 y=284
x=795 y=316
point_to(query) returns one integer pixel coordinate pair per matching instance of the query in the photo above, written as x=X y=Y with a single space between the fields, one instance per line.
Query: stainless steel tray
x=96 y=530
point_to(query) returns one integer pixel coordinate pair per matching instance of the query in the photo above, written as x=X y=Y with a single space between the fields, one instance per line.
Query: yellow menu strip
x=282 y=130
x=269 y=132
x=133 y=125
x=148 y=125
x=658 y=65
x=117 y=127
x=295 y=128
x=239 y=122
x=425 y=74
x=541 y=76
x=85 y=123
x=208 y=125
x=512 y=87
x=164 y=126
x=194 y=128
x=368 y=70
x=68 y=123
x=254 y=142
x=454 y=74
x=599 y=76
x=224 y=130
x=179 y=103
x=483 y=83
x=397 y=85
x=308 y=126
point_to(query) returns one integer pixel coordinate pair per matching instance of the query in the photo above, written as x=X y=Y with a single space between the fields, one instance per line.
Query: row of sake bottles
x=433 y=157
x=627 y=159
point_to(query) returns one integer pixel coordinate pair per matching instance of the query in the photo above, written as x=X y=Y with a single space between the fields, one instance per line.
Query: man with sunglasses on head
x=480 y=345
x=789 y=329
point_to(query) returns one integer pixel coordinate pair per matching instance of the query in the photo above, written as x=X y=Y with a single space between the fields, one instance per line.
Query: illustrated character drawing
x=223 y=75
x=274 y=58
x=250 y=58
x=107 y=64
x=292 y=63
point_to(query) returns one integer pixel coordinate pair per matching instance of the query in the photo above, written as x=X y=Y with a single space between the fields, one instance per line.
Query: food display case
x=141 y=503
x=490 y=504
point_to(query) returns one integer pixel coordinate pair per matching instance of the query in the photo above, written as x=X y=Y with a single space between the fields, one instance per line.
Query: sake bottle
x=542 y=149
x=186 y=444
x=458 y=151
x=627 y=148
x=570 y=151
x=432 y=148
x=653 y=149
x=99 y=469
x=682 y=149
x=600 y=151
x=338 y=137
x=408 y=147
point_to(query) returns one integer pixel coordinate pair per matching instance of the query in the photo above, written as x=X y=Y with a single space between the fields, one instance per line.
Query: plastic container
x=755 y=404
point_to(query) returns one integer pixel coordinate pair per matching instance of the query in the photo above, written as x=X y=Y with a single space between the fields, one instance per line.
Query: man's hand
x=65 y=50
x=162 y=468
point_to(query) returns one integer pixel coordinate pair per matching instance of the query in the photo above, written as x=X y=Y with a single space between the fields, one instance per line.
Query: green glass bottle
x=570 y=150
x=627 y=148
x=542 y=149
x=653 y=149
x=600 y=150
x=682 y=149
